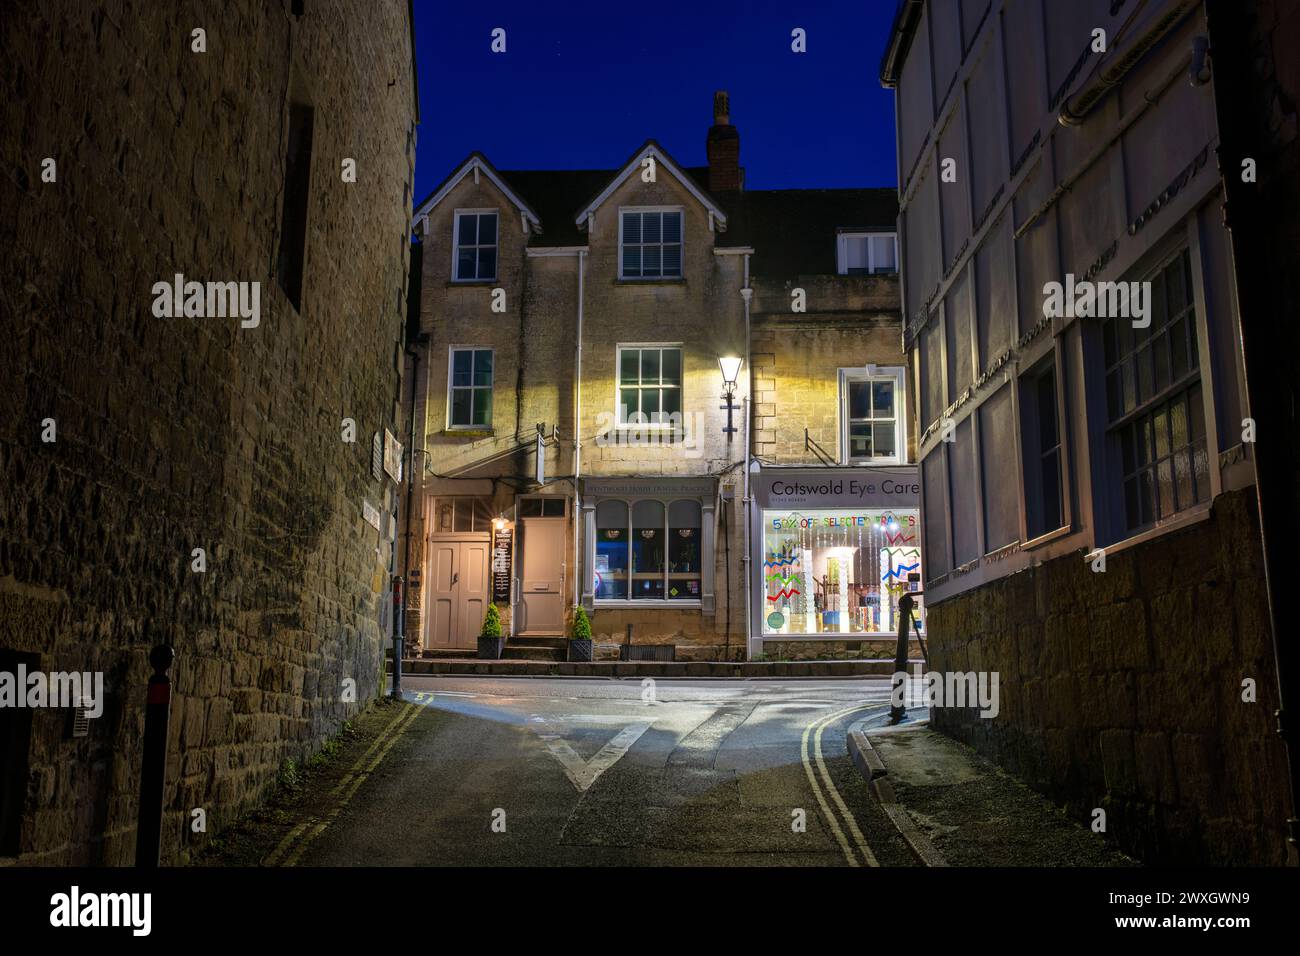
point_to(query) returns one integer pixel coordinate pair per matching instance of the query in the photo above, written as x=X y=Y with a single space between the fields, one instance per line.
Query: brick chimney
x=723 y=148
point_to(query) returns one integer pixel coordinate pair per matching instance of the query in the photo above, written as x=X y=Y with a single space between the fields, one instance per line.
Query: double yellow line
x=811 y=753
x=291 y=848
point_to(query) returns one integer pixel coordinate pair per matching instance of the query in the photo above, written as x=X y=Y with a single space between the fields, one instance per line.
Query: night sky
x=583 y=84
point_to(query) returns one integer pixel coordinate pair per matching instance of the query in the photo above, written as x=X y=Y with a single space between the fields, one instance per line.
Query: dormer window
x=867 y=253
x=476 y=245
x=650 y=243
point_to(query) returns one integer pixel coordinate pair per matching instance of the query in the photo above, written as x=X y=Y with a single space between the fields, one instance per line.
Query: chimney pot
x=723 y=148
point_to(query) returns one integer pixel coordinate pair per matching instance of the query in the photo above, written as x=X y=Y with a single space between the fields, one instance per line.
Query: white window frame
x=681 y=211
x=872 y=373
x=842 y=247
x=451 y=387
x=455 y=245
x=618 y=386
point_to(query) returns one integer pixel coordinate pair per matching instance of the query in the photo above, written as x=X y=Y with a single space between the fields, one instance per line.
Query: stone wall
x=194 y=432
x=1123 y=690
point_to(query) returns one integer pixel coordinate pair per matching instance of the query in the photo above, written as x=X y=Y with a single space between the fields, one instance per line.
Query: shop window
x=648 y=550
x=1040 y=439
x=476 y=246
x=828 y=571
x=871 y=416
x=1154 y=402
x=649 y=385
x=470 y=399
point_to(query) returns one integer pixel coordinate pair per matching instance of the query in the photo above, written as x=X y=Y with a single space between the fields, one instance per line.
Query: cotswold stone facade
x=174 y=434
x=646 y=283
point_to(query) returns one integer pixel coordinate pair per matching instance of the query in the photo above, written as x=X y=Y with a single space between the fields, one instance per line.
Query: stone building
x=1087 y=466
x=175 y=463
x=573 y=435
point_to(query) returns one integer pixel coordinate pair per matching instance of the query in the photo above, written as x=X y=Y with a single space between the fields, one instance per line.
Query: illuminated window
x=470 y=389
x=871 y=416
x=648 y=549
x=649 y=385
x=867 y=253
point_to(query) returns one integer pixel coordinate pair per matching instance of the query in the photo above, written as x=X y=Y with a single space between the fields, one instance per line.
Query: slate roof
x=792 y=231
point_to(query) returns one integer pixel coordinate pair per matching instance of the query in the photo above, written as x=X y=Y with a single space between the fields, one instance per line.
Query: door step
x=536 y=649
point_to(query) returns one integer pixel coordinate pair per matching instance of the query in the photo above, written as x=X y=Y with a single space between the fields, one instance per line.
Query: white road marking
x=583 y=773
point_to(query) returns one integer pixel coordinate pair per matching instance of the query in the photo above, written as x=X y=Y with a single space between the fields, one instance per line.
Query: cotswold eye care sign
x=864 y=487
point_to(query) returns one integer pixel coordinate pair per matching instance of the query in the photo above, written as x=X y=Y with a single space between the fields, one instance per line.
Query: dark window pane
x=553 y=507
x=672 y=260
x=882 y=440
x=859 y=400
x=649 y=366
x=1132 y=510
x=1160 y=348
x=1160 y=423
x=882 y=399
x=631 y=227
x=1051 y=479
x=460 y=406
x=1165 y=476
x=650 y=227
x=468 y=230
x=483 y=367
x=628 y=405
x=530 y=507
x=483 y=406
x=487 y=229
x=1046 y=411
x=462 y=361
x=631 y=260
x=629 y=366
x=860 y=441
x=671 y=367
x=650 y=261
x=465 y=261
x=464 y=514
x=672 y=402
x=1184 y=486
x=672 y=222
x=650 y=404
x=487 y=263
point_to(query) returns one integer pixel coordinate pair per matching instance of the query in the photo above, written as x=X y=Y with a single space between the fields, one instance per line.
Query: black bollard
x=153 y=768
x=898 y=685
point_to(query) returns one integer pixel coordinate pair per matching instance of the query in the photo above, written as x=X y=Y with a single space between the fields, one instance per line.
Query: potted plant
x=490 y=641
x=580 y=636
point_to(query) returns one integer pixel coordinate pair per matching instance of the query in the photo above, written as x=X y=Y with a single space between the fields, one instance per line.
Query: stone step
x=533 y=652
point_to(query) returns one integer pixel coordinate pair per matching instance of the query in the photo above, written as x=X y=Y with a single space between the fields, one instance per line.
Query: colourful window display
x=836 y=572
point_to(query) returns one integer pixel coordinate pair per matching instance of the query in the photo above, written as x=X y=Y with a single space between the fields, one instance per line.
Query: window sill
x=1194 y=515
x=1046 y=538
x=678 y=280
x=609 y=604
x=467 y=433
x=460 y=283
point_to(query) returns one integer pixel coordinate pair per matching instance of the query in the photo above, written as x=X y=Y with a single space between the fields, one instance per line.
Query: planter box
x=490 y=648
x=580 y=650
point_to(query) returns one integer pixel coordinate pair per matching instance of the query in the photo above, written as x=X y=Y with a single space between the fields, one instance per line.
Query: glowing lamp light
x=730 y=366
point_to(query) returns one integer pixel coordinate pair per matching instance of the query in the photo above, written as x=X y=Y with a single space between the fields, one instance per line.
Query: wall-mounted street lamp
x=730 y=366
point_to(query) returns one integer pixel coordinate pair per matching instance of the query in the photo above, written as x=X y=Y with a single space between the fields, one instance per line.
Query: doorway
x=542 y=568
x=457 y=590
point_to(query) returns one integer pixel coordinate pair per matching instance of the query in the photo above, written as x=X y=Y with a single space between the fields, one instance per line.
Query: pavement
x=956 y=808
x=467 y=666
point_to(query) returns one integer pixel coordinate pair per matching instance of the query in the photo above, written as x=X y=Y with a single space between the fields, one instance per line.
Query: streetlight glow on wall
x=730 y=366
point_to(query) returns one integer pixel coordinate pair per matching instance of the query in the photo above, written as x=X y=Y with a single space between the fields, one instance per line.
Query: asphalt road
x=546 y=772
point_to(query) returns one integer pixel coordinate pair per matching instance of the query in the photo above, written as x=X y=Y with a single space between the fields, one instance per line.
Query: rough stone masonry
x=172 y=434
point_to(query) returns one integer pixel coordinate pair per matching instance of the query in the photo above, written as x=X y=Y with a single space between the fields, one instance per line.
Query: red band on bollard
x=159 y=693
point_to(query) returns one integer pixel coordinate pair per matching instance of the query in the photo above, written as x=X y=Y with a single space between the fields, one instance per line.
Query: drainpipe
x=577 y=442
x=745 y=562
x=399 y=636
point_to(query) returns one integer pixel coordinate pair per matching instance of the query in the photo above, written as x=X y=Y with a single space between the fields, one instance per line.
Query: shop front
x=834 y=549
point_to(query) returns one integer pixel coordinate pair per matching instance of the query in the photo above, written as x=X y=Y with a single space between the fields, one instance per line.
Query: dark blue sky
x=583 y=84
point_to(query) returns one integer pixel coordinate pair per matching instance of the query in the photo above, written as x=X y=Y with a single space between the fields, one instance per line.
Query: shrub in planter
x=580 y=647
x=490 y=641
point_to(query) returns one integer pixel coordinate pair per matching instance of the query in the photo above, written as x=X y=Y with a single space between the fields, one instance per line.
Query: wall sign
x=501 y=545
x=861 y=487
x=370 y=513
x=392 y=456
